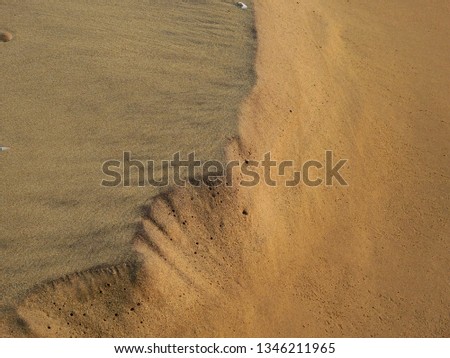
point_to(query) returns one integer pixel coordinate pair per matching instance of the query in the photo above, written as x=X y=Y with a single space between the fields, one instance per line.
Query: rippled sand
x=85 y=81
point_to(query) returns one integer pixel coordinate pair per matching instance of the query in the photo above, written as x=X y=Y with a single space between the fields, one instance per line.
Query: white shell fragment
x=4 y=149
x=242 y=5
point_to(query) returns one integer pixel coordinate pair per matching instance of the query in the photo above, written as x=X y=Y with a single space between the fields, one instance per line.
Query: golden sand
x=368 y=80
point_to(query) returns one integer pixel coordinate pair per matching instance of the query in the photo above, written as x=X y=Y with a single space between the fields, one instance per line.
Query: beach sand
x=368 y=81
x=86 y=81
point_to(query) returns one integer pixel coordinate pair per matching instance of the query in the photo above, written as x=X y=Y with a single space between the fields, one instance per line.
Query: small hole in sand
x=244 y=212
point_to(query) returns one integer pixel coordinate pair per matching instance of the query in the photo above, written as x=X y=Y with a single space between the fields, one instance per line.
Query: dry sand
x=368 y=80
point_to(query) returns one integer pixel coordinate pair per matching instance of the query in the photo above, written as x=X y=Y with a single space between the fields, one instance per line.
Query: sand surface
x=368 y=80
x=85 y=81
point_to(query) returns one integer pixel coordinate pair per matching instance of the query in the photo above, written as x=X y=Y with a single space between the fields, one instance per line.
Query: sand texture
x=85 y=81
x=368 y=80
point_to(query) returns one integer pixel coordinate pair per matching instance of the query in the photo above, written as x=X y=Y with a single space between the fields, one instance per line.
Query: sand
x=86 y=81
x=366 y=80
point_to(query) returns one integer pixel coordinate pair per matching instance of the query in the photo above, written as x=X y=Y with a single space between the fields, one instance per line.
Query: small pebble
x=6 y=36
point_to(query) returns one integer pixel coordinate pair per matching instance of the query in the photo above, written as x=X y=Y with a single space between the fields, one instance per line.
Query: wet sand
x=86 y=81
